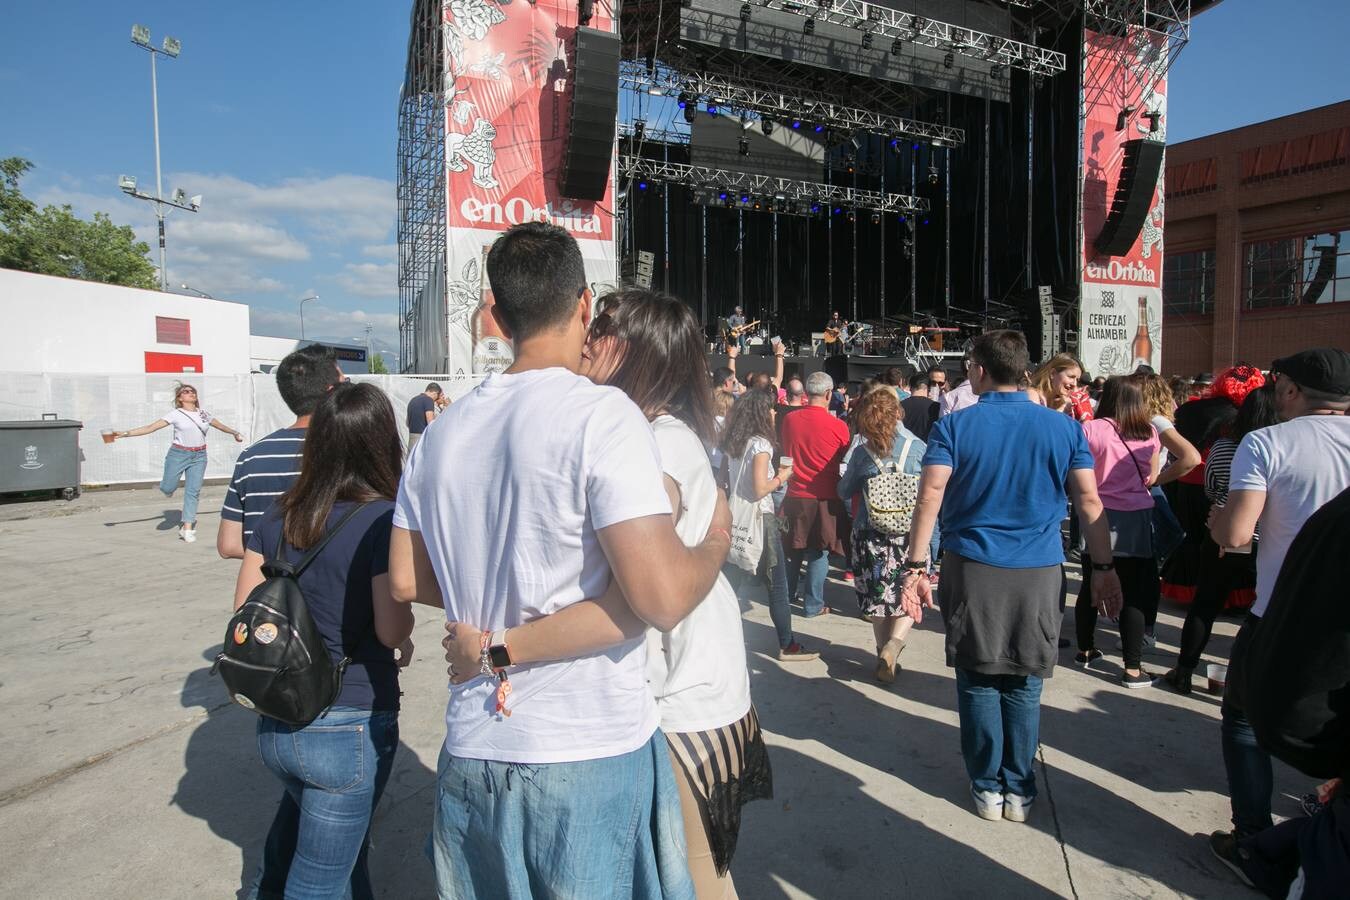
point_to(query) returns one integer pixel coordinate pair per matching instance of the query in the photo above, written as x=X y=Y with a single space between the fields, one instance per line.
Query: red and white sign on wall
x=1125 y=94
x=508 y=94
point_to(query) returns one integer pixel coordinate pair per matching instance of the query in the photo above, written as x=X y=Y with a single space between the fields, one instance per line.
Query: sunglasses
x=187 y=391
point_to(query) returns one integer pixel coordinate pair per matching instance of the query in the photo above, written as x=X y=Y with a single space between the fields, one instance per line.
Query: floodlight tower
x=140 y=36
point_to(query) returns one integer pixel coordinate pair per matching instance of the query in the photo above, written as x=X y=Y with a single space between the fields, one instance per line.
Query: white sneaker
x=188 y=535
x=988 y=805
x=1015 y=808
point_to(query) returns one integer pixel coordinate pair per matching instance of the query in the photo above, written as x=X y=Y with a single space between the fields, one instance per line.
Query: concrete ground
x=125 y=773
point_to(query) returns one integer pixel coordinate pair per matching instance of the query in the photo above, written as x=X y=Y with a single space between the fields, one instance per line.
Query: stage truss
x=750 y=98
x=1155 y=32
x=738 y=184
x=422 y=220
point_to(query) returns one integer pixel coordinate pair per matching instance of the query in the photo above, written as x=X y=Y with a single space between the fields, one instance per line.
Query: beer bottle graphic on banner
x=1142 y=348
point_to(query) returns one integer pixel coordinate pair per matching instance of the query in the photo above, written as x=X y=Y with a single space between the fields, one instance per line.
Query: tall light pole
x=199 y=293
x=303 y=300
x=140 y=36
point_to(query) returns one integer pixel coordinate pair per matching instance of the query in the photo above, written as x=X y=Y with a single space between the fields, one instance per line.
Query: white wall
x=50 y=324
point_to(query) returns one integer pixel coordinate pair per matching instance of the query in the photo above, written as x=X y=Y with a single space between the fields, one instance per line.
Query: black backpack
x=275 y=661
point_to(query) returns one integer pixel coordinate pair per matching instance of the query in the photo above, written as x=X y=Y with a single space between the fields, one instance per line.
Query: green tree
x=54 y=241
x=375 y=361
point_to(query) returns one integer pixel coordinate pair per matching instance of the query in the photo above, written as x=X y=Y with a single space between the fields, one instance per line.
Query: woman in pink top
x=1125 y=448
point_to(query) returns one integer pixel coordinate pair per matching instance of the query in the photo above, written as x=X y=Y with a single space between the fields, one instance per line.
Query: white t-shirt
x=189 y=426
x=508 y=488
x=1162 y=424
x=737 y=470
x=697 y=670
x=1300 y=464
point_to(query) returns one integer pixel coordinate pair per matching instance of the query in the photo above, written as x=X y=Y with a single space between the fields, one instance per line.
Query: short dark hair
x=537 y=275
x=1003 y=356
x=936 y=368
x=894 y=376
x=720 y=376
x=433 y=386
x=759 y=380
x=305 y=376
x=918 y=380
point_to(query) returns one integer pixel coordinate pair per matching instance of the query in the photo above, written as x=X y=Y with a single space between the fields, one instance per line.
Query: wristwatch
x=499 y=654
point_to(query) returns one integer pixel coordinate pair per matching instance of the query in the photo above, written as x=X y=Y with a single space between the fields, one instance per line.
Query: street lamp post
x=303 y=300
x=199 y=293
x=140 y=36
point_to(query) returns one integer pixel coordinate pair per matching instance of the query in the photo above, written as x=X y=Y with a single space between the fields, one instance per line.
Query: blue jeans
x=176 y=464
x=774 y=579
x=334 y=771
x=1000 y=728
x=597 y=828
x=817 y=567
x=935 y=546
x=1251 y=778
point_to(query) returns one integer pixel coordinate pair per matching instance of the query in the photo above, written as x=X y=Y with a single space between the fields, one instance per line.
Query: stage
x=849 y=369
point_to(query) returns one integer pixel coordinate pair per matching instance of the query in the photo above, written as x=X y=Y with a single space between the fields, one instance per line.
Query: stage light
x=712 y=109
x=1153 y=118
x=915 y=148
x=743 y=146
x=690 y=113
x=867 y=40
x=747 y=123
x=642 y=185
x=819 y=129
x=876 y=218
x=826 y=4
x=722 y=195
x=685 y=99
x=919 y=25
x=809 y=26
x=933 y=176
x=852 y=216
x=996 y=72
x=949 y=60
x=856 y=141
x=815 y=207
x=766 y=125
x=796 y=123
x=897 y=47
x=639 y=128
x=925 y=221
x=1123 y=117
x=745 y=12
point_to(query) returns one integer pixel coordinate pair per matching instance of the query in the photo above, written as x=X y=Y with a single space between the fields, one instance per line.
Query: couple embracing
x=600 y=735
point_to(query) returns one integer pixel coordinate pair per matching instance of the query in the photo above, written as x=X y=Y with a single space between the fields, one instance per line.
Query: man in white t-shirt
x=523 y=498
x=1280 y=476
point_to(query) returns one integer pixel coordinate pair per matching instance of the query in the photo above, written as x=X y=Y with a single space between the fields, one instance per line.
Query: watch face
x=499 y=657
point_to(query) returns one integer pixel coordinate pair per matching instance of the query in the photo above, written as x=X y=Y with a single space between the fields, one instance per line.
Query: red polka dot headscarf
x=1236 y=383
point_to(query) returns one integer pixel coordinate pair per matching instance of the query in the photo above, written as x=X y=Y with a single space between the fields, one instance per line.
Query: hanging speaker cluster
x=595 y=105
x=1134 y=195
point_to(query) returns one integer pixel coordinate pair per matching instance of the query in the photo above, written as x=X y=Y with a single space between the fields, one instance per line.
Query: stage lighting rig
x=867 y=40
x=897 y=47
x=743 y=146
x=809 y=26
x=949 y=60
x=933 y=176
x=766 y=125
x=745 y=12
x=1123 y=118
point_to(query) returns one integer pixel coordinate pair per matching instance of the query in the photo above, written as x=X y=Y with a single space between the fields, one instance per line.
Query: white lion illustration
x=474 y=148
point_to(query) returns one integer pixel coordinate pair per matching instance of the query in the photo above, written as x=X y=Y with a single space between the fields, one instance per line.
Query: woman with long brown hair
x=650 y=346
x=878 y=558
x=1125 y=451
x=186 y=458
x=335 y=769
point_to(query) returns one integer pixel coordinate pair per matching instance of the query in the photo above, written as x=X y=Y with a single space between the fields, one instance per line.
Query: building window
x=172 y=331
x=1297 y=271
x=1188 y=282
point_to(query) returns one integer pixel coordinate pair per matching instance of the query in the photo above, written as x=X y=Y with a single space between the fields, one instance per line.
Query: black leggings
x=1139 y=584
x=1216 y=578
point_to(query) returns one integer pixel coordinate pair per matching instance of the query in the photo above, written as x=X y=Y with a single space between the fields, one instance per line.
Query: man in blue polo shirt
x=266 y=469
x=997 y=472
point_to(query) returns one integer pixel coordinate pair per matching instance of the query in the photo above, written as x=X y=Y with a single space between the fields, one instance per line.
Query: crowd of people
x=601 y=731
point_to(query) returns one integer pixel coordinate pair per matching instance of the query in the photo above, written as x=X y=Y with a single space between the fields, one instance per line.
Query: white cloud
x=338 y=207
x=376 y=280
x=322 y=322
x=381 y=251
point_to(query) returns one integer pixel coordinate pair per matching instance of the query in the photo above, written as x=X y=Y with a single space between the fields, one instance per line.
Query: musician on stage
x=736 y=322
x=834 y=335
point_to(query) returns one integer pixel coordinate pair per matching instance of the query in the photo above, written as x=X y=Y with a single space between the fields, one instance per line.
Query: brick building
x=1257 y=242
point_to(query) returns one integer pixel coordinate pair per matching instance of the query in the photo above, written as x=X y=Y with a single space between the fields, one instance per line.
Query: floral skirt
x=878 y=572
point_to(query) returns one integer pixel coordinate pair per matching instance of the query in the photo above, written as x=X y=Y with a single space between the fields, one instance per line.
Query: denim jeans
x=774 y=579
x=597 y=828
x=334 y=771
x=176 y=463
x=1000 y=728
x=1251 y=778
x=817 y=567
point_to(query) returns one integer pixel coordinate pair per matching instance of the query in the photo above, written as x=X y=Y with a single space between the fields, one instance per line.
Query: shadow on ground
x=225 y=784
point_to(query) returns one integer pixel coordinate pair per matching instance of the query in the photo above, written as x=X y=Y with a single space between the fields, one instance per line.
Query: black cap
x=1204 y=378
x=1323 y=369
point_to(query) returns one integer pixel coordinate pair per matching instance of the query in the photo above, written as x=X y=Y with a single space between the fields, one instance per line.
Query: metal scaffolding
x=1154 y=32
x=421 y=172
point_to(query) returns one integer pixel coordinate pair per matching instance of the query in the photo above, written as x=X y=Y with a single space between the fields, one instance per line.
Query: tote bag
x=747 y=523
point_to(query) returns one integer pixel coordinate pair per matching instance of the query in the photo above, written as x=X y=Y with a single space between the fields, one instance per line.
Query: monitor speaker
x=1134 y=194
x=595 y=106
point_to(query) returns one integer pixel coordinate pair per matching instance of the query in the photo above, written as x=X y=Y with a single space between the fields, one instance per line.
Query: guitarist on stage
x=833 y=341
x=736 y=324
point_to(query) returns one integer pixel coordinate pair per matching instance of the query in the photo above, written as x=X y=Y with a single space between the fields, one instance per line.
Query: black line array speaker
x=595 y=107
x=1134 y=192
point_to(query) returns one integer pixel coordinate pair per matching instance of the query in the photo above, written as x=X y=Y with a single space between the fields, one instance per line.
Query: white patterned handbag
x=747 y=522
x=891 y=495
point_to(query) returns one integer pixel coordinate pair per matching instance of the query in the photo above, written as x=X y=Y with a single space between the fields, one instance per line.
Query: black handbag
x=275 y=661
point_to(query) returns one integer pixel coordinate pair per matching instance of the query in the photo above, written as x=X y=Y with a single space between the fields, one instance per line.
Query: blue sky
x=283 y=115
